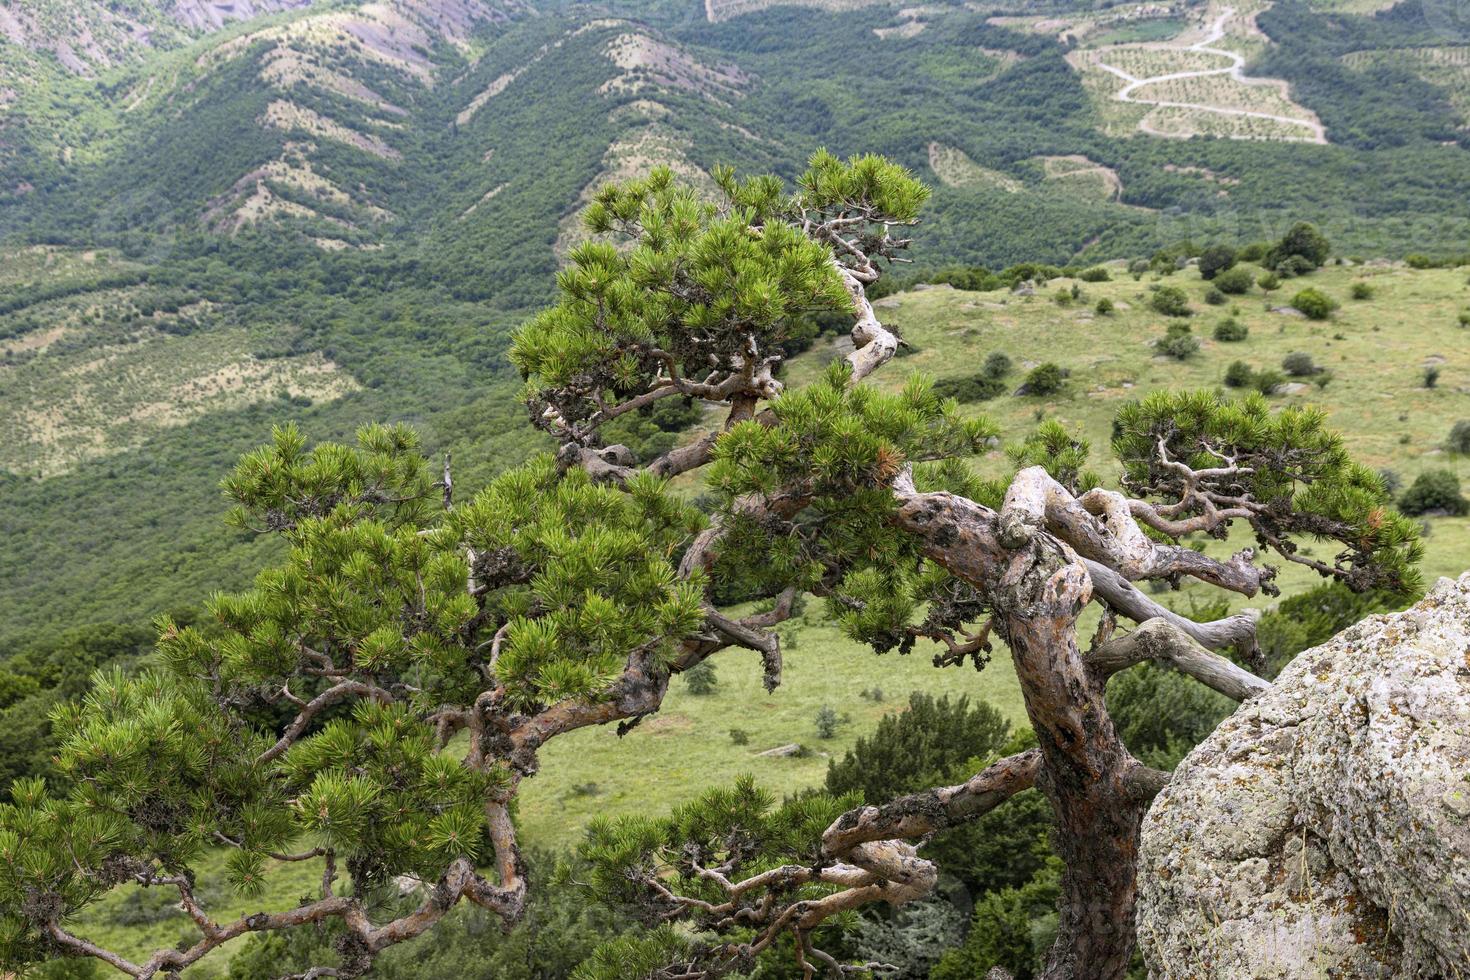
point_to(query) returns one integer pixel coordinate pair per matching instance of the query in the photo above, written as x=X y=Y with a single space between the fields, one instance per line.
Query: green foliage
x=1269 y=282
x=1011 y=928
x=1161 y=714
x=1179 y=342
x=1299 y=364
x=1435 y=491
x=1459 y=438
x=1301 y=249
x=1215 y=260
x=1214 y=297
x=997 y=365
x=1298 y=469
x=826 y=722
x=1095 y=274
x=1044 y=379
x=1231 y=331
x=932 y=742
x=1431 y=376
x=701 y=678
x=1313 y=617
x=1235 y=281
x=1314 y=303
x=1061 y=453
x=1170 y=301
x=967 y=390
x=1104 y=307
x=1361 y=290
x=1239 y=375
x=846 y=444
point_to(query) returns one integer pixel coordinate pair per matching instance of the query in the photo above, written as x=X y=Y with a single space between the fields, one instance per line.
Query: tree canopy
x=375 y=700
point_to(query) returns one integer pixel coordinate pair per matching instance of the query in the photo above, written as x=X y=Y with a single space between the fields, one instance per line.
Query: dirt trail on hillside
x=1236 y=71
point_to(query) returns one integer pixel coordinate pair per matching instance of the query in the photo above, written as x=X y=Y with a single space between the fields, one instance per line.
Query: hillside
x=1387 y=416
x=216 y=216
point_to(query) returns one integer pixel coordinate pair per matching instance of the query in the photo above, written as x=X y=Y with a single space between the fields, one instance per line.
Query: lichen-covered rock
x=1324 y=829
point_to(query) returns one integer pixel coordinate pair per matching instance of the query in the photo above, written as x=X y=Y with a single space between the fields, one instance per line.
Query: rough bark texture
x=1037 y=587
x=1324 y=829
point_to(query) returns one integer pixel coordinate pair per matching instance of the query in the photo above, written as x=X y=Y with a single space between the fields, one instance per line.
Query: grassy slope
x=1375 y=399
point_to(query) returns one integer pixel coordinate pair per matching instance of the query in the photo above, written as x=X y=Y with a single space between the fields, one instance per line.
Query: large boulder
x=1324 y=829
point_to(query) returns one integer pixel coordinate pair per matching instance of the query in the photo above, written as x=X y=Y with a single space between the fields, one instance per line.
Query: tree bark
x=1037 y=587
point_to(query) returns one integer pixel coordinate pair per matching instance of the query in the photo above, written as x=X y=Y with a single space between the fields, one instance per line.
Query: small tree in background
x=1215 y=260
x=1313 y=303
x=1300 y=250
x=1170 y=301
x=374 y=702
x=1235 y=281
x=1459 y=439
x=1435 y=492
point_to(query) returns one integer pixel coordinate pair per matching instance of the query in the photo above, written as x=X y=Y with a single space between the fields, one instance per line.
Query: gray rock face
x=1324 y=829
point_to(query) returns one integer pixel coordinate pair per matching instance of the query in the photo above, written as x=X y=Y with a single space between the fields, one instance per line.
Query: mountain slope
x=338 y=212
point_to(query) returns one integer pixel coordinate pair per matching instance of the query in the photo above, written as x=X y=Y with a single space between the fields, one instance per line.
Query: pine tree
x=310 y=717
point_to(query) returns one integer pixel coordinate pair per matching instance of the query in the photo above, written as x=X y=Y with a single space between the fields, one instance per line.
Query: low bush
x=975 y=388
x=1231 y=330
x=1299 y=364
x=1239 y=375
x=1170 y=301
x=1459 y=440
x=1179 y=342
x=1096 y=274
x=1361 y=290
x=1104 y=307
x=997 y=365
x=1314 y=304
x=1435 y=492
x=1214 y=297
x=1235 y=282
x=1044 y=379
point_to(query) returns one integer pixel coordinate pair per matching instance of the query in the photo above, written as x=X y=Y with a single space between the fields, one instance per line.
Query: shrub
x=1435 y=491
x=1431 y=376
x=1304 y=244
x=1459 y=440
x=1239 y=375
x=1316 y=304
x=1044 y=379
x=1231 y=330
x=1235 y=282
x=1295 y=265
x=739 y=736
x=1215 y=260
x=1299 y=364
x=1361 y=290
x=976 y=388
x=1254 y=252
x=826 y=722
x=701 y=678
x=1214 y=297
x=1464 y=319
x=1392 y=482
x=1269 y=281
x=1062 y=297
x=1179 y=342
x=1267 y=381
x=1104 y=307
x=1170 y=301
x=997 y=365
x=1096 y=274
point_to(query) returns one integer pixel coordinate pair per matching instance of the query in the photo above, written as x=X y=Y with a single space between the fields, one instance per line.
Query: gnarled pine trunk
x=1037 y=589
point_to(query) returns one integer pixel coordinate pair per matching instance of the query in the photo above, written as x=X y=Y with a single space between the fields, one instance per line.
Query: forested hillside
x=221 y=217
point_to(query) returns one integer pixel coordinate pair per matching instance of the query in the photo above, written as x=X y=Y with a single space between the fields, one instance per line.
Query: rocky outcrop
x=1324 y=829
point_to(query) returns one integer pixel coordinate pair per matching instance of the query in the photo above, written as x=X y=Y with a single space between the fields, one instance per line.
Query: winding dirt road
x=1236 y=71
